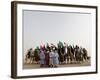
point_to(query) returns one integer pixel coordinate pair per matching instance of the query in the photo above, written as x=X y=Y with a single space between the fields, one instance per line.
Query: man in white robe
x=51 y=55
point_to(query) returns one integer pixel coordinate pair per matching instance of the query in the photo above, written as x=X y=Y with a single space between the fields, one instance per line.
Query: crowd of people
x=50 y=55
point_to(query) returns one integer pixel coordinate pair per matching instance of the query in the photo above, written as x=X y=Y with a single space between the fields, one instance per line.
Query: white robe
x=51 y=55
x=55 y=59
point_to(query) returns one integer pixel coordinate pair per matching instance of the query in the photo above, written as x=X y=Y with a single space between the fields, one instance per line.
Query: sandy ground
x=34 y=66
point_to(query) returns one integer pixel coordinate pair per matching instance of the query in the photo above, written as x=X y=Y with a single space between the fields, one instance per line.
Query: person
x=51 y=54
x=36 y=55
x=30 y=55
x=55 y=59
x=42 y=58
x=47 y=58
x=65 y=52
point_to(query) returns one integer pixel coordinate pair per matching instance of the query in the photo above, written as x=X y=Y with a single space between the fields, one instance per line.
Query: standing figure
x=36 y=55
x=30 y=56
x=61 y=52
x=55 y=59
x=51 y=54
x=85 y=55
x=47 y=58
x=42 y=58
x=65 y=54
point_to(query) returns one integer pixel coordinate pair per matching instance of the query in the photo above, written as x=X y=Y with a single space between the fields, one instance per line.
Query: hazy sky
x=40 y=27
